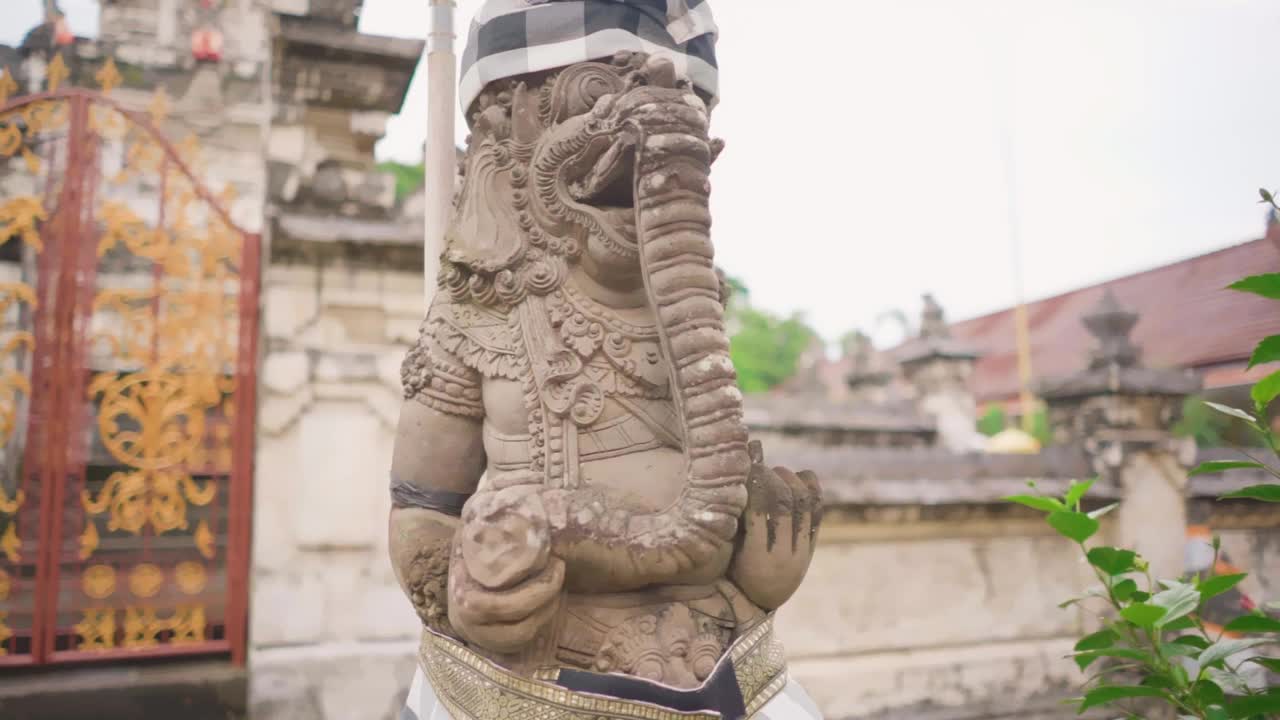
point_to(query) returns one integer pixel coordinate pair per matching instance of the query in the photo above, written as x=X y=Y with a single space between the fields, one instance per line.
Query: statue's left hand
x=778 y=531
x=504 y=585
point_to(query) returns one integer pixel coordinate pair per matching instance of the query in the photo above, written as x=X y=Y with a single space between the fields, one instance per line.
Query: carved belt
x=749 y=675
x=622 y=435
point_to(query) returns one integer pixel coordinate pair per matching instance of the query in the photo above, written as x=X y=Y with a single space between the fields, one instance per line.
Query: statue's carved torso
x=578 y=342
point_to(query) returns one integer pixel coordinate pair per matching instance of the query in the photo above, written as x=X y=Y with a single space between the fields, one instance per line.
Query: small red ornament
x=206 y=45
x=62 y=34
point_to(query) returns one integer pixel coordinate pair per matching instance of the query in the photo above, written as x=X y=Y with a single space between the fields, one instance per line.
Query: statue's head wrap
x=515 y=37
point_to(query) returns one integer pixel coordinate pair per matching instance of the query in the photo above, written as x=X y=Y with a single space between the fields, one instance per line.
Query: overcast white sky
x=864 y=161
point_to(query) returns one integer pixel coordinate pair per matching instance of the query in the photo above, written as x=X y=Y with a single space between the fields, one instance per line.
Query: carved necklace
x=631 y=349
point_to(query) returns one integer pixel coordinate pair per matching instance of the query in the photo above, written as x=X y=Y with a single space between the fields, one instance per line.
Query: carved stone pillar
x=1123 y=414
x=938 y=368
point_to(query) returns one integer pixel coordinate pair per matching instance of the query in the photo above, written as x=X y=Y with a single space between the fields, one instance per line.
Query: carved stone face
x=552 y=172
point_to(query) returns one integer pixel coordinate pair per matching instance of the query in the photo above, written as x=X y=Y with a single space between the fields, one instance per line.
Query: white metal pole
x=440 y=161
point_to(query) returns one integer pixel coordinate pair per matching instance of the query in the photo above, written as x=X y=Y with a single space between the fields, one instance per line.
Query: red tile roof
x=1186 y=320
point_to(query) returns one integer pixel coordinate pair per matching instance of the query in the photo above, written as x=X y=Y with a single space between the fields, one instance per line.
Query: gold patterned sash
x=474 y=688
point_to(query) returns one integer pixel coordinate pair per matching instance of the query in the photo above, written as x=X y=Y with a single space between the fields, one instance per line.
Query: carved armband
x=437 y=378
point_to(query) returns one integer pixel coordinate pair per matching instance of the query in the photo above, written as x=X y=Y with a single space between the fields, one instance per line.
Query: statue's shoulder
x=481 y=338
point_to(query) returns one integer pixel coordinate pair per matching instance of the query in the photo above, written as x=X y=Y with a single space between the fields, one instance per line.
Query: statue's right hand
x=504 y=584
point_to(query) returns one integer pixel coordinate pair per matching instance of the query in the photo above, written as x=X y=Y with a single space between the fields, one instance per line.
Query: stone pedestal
x=1123 y=414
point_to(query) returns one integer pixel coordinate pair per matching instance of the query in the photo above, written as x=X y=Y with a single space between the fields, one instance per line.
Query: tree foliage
x=408 y=177
x=1198 y=421
x=992 y=421
x=765 y=348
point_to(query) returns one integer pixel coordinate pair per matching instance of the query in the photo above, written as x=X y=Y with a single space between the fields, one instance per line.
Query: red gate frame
x=59 y=386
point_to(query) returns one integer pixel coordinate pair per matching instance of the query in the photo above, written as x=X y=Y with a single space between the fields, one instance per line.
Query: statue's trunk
x=691 y=541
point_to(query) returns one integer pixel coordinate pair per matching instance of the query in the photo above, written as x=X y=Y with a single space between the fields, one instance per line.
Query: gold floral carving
x=56 y=72
x=6 y=585
x=8 y=86
x=146 y=580
x=20 y=216
x=159 y=107
x=205 y=540
x=108 y=76
x=191 y=577
x=5 y=633
x=11 y=507
x=10 y=543
x=187 y=624
x=98 y=581
x=143 y=626
x=97 y=629
x=133 y=501
x=88 y=539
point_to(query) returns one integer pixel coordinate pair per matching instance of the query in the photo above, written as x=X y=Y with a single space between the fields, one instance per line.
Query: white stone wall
x=330 y=629
x=953 y=619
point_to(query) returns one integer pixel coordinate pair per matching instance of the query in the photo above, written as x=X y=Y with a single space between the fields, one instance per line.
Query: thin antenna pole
x=439 y=161
x=1004 y=67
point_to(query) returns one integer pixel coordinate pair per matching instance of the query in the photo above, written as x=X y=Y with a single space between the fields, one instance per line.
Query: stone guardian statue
x=579 y=517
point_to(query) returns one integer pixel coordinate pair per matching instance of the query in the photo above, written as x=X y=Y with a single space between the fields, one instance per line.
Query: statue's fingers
x=475 y=605
x=508 y=636
x=814 y=487
x=799 y=510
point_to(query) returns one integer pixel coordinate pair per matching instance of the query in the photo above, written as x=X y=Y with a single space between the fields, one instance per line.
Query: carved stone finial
x=933 y=319
x=859 y=349
x=808 y=376
x=1116 y=393
x=1110 y=324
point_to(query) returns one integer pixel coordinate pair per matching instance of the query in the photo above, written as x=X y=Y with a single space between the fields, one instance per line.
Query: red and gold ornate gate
x=128 y=319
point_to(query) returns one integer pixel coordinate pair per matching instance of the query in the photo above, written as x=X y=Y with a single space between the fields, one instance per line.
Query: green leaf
x=1233 y=412
x=1076 y=491
x=1112 y=561
x=1265 y=390
x=1110 y=693
x=1207 y=692
x=1272 y=664
x=1194 y=641
x=1037 y=502
x=1267 y=285
x=1096 y=641
x=1159 y=681
x=1074 y=525
x=1267 y=351
x=1251 y=705
x=1095 y=514
x=1265 y=493
x=1172 y=649
x=1143 y=615
x=1140 y=596
x=1216 y=712
x=1178 y=600
x=1218 y=584
x=1226 y=648
x=1218 y=466
x=1182 y=623
x=1253 y=624
x=1083 y=659
x=1124 y=589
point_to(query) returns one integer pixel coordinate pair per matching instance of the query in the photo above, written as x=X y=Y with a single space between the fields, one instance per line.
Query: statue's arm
x=437 y=464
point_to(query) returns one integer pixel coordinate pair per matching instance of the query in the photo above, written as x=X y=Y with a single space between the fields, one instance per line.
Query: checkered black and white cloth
x=513 y=37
